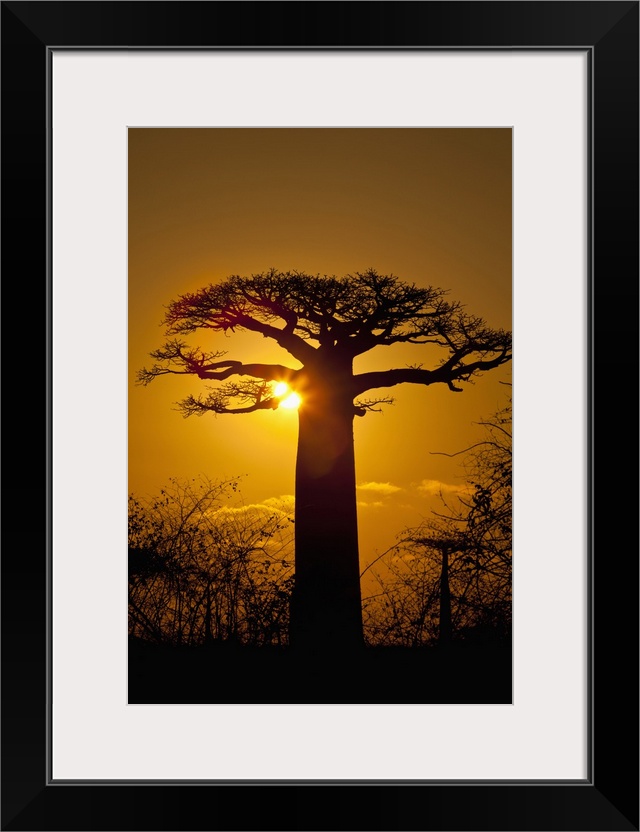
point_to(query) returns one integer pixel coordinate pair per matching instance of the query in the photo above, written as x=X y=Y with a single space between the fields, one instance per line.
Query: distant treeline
x=449 y=579
x=203 y=570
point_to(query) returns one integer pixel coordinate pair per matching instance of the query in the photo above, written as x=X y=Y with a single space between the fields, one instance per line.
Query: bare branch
x=250 y=395
x=447 y=373
x=176 y=358
x=364 y=406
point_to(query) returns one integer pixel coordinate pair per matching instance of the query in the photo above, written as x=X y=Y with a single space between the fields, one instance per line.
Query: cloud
x=286 y=502
x=283 y=505
x=363 y=504
x=384 y=488
x=437 y=487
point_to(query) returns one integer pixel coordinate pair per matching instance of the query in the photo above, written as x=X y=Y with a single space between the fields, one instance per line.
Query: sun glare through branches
x=288 y=399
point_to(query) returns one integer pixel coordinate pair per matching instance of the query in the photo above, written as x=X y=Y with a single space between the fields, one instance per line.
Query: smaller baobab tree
x=418 y=580
x=324 y=323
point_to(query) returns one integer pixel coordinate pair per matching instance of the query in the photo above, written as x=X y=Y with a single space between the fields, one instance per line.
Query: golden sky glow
x=432 y=206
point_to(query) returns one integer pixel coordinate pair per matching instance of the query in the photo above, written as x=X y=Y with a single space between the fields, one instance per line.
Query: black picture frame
x=608 y=798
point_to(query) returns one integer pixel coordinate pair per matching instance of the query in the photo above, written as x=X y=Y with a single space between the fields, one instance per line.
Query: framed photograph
x=299 y=611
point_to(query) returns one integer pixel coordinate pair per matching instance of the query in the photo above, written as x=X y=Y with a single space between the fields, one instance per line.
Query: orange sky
x=432 y=206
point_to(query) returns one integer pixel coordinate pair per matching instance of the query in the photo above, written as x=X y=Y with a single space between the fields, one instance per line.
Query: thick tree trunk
x=326 y=610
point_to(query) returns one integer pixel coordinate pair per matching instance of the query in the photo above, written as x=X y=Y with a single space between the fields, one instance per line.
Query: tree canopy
x=321 y=321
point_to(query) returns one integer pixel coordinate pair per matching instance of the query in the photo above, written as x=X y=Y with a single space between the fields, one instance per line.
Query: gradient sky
x=431 y=206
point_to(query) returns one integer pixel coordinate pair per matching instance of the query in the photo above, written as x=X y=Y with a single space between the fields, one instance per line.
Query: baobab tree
x=323 y=322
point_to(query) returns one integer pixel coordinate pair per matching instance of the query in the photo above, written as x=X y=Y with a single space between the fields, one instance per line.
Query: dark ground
x=462 y=674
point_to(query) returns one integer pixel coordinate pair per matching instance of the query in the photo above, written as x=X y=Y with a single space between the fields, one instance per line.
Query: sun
x=291 y=401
